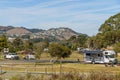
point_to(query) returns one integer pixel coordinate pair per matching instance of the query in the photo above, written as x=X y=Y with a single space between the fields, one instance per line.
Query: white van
x=29 y=57
x=11 y=56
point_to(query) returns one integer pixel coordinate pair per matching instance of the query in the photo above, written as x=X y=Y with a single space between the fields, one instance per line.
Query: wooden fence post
x=60 y=70
x=26 y=69
x=45 y=70
x=52 y=68
x=35 y=67
x=0 y=69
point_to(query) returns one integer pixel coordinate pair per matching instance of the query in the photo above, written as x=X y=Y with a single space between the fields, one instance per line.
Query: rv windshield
x=111 y=56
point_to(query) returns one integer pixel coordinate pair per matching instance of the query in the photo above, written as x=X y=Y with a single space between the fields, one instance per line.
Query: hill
x=109 y=34
x=6 y=28
x=112 y=23
x=52 y=34
x=17 y=31
x=57 y=33
x=3 y=29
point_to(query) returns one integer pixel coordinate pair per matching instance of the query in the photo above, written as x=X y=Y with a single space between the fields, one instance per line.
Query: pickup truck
x=12 y=56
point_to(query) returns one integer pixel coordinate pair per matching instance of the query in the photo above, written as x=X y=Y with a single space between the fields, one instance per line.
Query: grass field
x=70 y=71
x=66 y=67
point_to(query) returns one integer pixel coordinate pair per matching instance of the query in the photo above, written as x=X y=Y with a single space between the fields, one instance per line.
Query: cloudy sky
x=83 y=16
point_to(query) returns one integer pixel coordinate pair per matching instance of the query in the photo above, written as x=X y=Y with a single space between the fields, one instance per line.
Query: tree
x=96 y=42
x=25 y=36
x=38 y=51
x=16 y=45
x=78 y=41
x=82 y=40
x=109 y=33
x=59 y=51
x=110 y=29
x=3 y=42
x=39 y=47
x=28 y=45
x=111 y=24
x=117 y=47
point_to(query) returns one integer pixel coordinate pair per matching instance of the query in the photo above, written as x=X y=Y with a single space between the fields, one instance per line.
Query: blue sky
x=83 y=16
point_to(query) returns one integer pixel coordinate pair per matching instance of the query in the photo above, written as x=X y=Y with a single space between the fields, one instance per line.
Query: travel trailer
x=98 y=56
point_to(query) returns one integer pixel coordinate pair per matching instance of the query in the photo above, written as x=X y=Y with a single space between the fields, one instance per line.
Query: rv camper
x=98 y=56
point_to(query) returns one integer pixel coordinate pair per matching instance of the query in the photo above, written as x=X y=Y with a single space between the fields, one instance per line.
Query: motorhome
x=98 y=56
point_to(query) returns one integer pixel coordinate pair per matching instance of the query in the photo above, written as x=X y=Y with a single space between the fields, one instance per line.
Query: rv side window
x=99 y=55
x=106 y=52
x=106 y=56
x=87 y=54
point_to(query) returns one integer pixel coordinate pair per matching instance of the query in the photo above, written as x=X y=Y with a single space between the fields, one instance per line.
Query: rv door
x=106 y=59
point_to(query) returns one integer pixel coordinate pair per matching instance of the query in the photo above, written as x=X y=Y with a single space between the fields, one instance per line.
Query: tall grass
x=73 y=75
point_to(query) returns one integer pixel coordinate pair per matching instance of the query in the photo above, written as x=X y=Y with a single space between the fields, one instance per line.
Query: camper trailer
x=98 y=56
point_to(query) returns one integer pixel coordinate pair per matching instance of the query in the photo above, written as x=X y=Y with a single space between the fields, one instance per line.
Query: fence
x=27 y=68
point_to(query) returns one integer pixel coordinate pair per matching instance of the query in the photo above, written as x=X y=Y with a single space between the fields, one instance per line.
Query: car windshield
x=13 y=54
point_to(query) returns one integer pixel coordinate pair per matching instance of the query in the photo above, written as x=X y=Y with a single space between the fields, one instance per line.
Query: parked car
x=11 y=56
x=29 y=57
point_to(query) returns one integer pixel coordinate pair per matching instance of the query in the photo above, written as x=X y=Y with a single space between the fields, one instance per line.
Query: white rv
x=97 y=56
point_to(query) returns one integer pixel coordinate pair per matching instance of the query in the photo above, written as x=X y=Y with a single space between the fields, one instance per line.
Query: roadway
x=39 y=61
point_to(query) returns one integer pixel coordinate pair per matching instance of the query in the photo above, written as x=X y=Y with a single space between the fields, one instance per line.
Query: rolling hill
x=61 y=33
